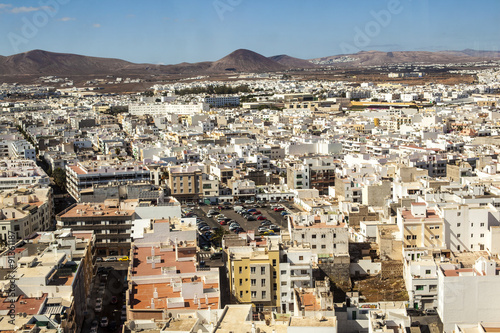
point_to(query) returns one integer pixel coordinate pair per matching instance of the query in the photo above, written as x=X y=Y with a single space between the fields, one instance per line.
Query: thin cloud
x=24 y=9
x=5 y=6
x=96 y=25
x=66 y=19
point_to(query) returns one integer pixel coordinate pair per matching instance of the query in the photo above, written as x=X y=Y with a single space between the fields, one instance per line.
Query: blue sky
x=173 y=31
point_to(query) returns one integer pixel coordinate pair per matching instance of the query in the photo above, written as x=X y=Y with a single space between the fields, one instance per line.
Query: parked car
x=251 y=218
x=262 y=229
x=123 y=259
x=251 y=210
x=104 y=322
x=94 y=326
x=430 y=312
x=257 y=212
x=262 y=217
x=205 y=228
x=266 y=223
x=279 y=209
x=98 y=259
x=234 y=227
x=111 y=259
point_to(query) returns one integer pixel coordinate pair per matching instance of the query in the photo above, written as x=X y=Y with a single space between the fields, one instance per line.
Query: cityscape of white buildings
x=377 y=181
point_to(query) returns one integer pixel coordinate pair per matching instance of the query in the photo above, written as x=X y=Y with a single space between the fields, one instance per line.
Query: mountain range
x=38 y=62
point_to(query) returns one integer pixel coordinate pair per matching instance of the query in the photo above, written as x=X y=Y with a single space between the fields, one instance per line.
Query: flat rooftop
x=235 y=320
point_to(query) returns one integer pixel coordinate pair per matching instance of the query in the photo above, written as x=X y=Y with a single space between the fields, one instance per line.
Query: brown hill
x=378 y=58
x=292 y=62
x=50 y=63
x=245 y=61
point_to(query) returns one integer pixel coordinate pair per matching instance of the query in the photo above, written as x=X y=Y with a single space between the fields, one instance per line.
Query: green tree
x=218 y=235
x=59 y=176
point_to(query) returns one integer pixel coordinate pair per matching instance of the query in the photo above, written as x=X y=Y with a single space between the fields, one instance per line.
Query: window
x=240 y=269
x=241 y=293
x=313 y=246
x=334 y=246
x=283 y=283
x=263 y=294
x=481 y=235
x=323 y=246
x=419 y=287
x=414 y=237
x=283 y=272
x=301 y=257
x=458 y=224
x=472 y=224
x=303 y=272
x=283 y=295
x=459 y=213
x=253 y=282
x=313 y=236
x=262 y=270
x=334 y=235
x=471 y=235
x=408 y=237
x=252 y=270
x=303 y=236
x=427 y=271
x=254 y=294
x=458 y=235
x=263 y=282
x=274 y=262
x=323 y=236
x=481 y=225
x=241 y=282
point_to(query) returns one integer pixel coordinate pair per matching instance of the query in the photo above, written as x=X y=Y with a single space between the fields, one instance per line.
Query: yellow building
x=254 y=276
x=420 y=227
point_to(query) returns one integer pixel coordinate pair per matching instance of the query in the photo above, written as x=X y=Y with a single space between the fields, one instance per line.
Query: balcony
x=300 y=277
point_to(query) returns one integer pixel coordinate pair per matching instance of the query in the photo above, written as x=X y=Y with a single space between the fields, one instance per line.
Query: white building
x=468 y=295
x=160 y=109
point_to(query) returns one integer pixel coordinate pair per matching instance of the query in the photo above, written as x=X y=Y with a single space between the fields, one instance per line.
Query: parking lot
x=274 y=217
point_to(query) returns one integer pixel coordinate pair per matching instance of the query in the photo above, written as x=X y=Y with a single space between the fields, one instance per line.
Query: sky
x=175 y=31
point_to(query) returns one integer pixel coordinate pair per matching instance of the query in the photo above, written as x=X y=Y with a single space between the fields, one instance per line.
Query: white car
x=104 y=321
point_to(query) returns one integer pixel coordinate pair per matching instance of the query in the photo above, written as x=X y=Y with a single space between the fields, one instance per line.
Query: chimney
x=206 y=298
x=153 y=265
x=195 y=301
x=253 y=328
x=155 y=294
x=152 y=303
x=152 y=251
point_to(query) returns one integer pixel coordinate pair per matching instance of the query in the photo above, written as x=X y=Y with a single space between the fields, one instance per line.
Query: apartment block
x=420 y=227
x=24 y=211
x=110 y=220
x=84 y=175
x=254 y=276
